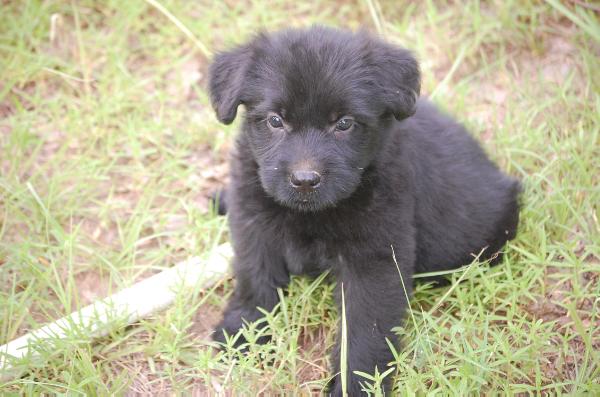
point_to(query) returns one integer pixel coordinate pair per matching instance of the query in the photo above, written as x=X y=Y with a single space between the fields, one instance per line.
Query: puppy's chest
x=305 y=254
x=311 y=246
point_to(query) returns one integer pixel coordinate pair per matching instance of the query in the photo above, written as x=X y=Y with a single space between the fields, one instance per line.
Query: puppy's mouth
x=307 y=204
x=304 y=201
x=305 y=192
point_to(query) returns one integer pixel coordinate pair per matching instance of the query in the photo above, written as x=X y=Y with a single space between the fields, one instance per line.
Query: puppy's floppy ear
x=398 y=80
x=227 y=81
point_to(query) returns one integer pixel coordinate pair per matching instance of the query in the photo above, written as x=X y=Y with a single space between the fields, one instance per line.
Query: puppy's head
x=319 y=103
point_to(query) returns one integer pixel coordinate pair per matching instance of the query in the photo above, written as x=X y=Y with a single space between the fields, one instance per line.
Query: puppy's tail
x=218 y=200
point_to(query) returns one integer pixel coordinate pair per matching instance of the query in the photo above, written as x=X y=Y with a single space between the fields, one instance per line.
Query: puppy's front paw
x=231 y=325
x=223 y=332
x=334 y=388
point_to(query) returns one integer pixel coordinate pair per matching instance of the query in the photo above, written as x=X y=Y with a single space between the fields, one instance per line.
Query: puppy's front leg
x=375 y=302
x=259 y=269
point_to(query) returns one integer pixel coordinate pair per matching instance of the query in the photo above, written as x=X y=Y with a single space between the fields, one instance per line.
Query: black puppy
x=336 y=163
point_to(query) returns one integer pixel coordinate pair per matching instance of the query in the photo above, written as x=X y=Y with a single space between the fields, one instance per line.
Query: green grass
x=108 y=149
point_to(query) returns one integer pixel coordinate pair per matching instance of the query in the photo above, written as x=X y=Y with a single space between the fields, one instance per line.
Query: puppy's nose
x=305 y=181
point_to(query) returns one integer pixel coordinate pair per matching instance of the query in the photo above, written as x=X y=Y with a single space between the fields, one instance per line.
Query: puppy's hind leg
x=219 y=201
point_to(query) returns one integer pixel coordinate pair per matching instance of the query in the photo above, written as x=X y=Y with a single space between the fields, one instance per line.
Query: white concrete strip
x=138 y=301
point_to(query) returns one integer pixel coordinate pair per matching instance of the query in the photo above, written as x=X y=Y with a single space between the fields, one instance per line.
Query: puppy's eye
x=344 y=124
x=275 y=121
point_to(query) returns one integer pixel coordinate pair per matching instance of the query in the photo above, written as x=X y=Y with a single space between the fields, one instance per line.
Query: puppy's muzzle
x=305 y=181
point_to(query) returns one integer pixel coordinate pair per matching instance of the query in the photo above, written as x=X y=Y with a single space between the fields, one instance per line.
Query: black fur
x=404 y=175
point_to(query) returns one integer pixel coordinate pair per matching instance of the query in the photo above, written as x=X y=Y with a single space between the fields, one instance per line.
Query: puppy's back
x=464 y=203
